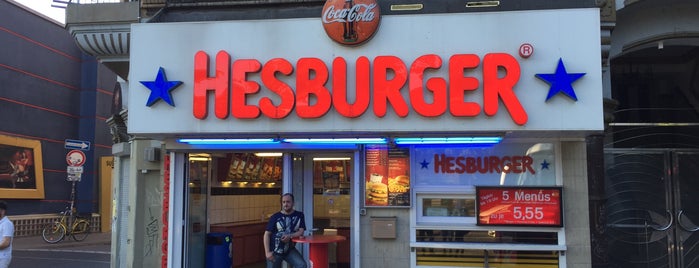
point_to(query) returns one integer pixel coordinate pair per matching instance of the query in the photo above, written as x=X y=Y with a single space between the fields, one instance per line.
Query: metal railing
x=31 y=225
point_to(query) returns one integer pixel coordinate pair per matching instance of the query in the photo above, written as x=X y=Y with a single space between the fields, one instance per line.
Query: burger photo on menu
x=399 y=184
x=377 y=193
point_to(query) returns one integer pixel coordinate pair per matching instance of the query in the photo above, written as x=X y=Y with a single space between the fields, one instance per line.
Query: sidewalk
x=95 y=242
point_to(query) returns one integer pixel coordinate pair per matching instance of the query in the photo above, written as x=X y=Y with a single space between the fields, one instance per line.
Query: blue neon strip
x=449 y=140
x=339 y=141
x=228 y=141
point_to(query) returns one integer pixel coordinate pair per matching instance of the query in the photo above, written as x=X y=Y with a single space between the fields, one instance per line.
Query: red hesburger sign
x=378 y=85
x=526 y=206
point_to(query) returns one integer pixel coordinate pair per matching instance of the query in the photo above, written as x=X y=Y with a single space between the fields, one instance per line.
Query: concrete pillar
x=145 y=205
x=595 y=182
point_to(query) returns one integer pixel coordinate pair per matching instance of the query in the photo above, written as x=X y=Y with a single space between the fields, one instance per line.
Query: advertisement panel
x=521 y=206
x=387 y=176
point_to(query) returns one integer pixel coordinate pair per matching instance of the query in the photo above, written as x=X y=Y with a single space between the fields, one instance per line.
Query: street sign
x=75 y=158
x=73 y=170
x=74 y=177
x=77 y=145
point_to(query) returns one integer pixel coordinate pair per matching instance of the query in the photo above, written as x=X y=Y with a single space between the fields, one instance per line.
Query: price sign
x=521 y=206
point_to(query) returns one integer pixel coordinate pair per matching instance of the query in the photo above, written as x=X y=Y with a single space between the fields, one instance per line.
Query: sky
x=44 y=7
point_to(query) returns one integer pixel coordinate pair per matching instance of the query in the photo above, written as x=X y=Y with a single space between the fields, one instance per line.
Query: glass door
x=652 y=217
x=686 y=167
x=329 y=205
x=197 y=178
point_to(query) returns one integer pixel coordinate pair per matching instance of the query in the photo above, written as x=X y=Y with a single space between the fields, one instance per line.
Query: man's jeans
x=5 y=262
x=294 y=259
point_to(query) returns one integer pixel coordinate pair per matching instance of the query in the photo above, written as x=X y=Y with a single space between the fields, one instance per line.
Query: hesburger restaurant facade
x=427 y=140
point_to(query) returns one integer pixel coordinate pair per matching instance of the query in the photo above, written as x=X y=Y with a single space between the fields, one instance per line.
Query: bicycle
x=57 y=231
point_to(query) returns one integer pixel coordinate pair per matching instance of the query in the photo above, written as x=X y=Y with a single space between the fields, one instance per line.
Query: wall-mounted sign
x=524 y=206
x=75 y=158
x=350 y=22
x=408 y=78
x=387 y=176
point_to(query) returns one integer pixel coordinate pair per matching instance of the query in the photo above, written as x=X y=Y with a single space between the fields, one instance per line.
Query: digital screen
x=523 y=206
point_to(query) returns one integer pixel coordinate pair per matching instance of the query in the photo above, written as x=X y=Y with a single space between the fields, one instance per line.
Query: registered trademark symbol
x=526 y=50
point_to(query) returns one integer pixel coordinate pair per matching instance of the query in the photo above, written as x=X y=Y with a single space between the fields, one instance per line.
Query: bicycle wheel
x=53 y=233
x=81 y=229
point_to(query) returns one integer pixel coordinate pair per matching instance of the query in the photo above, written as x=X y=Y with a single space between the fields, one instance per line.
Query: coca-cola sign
x=350 y=22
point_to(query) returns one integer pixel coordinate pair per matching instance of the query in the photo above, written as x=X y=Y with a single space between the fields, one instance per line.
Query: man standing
x=281 y=228
x=7 y=230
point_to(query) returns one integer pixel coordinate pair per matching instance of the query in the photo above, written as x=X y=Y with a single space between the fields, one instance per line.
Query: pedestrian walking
x=7 y=230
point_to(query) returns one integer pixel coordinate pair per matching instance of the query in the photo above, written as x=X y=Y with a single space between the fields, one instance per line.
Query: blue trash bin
x=219 y=250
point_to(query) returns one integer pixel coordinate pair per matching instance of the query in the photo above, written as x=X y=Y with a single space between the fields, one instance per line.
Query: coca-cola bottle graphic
x=349 y=34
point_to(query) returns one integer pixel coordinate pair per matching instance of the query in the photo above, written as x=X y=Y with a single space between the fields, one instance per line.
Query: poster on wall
x=21 y=169
x=387 y=176
x=519 y=206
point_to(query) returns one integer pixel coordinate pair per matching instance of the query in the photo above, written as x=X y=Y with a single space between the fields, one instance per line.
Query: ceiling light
x=228 y=141
x=338 y=140
x=330 y=158
x=449 y=140
x=268 y=154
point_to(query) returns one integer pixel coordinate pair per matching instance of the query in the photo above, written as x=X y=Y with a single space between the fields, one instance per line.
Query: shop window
x=442 y=208
x=456 y=248
x=487 y=258
x=448 y=207
x=502 y=164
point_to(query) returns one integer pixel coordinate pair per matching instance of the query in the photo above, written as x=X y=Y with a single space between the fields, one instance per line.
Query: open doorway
x=327 y=180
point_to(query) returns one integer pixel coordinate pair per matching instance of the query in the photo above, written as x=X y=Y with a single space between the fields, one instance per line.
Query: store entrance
x=328 y=186
x=652 y=217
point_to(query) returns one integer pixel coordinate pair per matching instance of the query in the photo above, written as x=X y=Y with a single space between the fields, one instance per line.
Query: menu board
x=249 y=167
x=387 y=176
x=521 y=206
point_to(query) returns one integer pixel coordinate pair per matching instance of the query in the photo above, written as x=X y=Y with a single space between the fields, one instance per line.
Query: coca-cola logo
x=350 y=22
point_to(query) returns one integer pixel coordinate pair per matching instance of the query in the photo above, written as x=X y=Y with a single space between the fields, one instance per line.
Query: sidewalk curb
x=95 y=240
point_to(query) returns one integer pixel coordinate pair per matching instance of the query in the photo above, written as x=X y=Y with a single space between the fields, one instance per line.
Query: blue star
x=160 y=88
x=561 y=81
x=424 y=164
x=545 y=165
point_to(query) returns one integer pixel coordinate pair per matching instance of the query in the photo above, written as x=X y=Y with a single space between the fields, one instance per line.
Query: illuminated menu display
x=387 y=176
x=524 y=206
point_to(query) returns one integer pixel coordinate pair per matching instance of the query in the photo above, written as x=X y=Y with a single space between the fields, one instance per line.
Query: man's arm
x=5 y=242
x=298 y=233
x=265 y=242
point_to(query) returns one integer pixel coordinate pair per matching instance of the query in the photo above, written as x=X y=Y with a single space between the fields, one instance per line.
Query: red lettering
x=449 y=164
x=461 y=166
x=494 y=163
x=285 y=92
x=429 y=96
x=527 y=162
x=312 y=74
x=516 y=163
x=388 y=90
x=471 y=165
x=242 y=87
x=459 y=84
x=436 y=85
x=440 y=163
x=495 y=88
x=361 y=102
x=203 y=83
x=506 y=163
